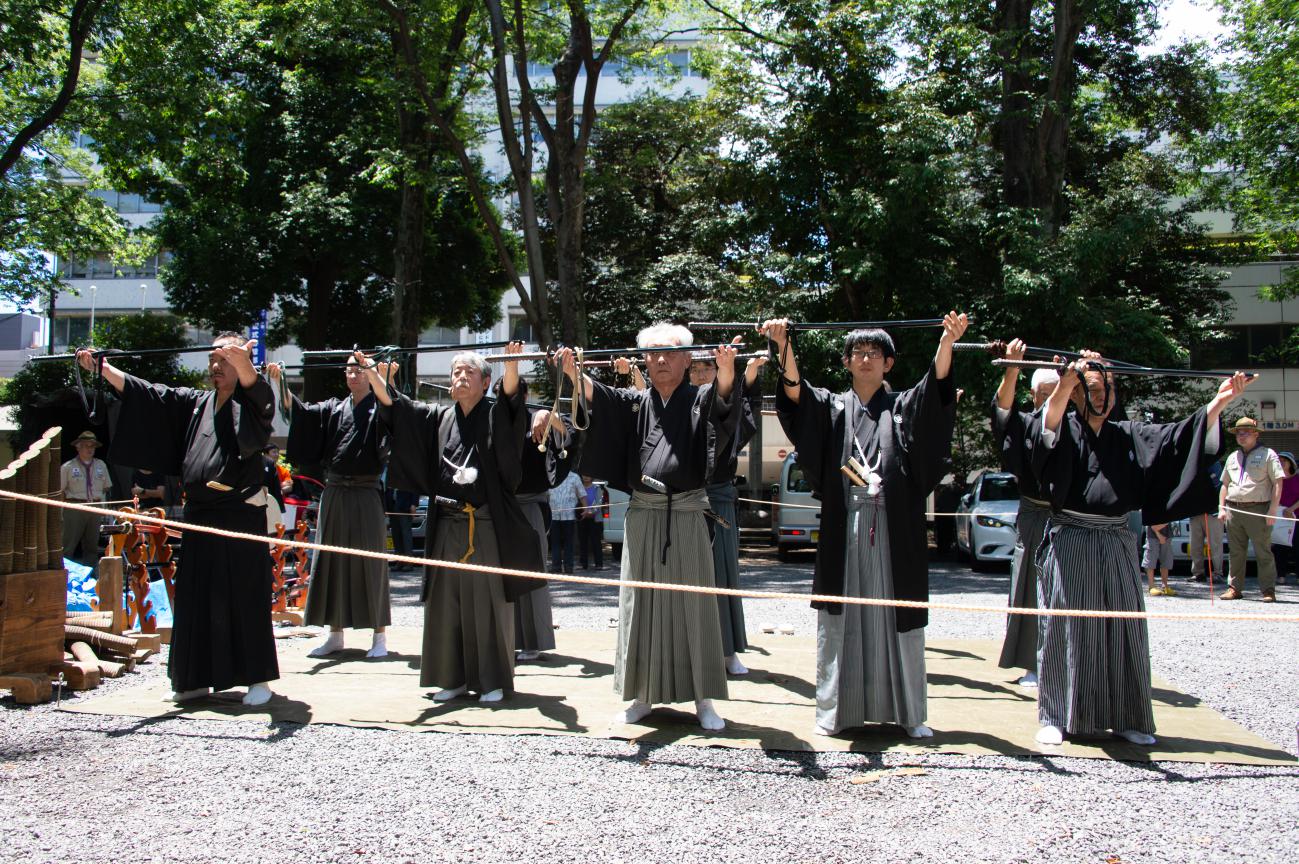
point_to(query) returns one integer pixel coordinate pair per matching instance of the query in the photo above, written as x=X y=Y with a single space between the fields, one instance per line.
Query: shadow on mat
x=792 y=683
x=953 y=652
x=287 y=716
x=587 y=668
x=357 y=655
x=940 y=679
x=554 y=708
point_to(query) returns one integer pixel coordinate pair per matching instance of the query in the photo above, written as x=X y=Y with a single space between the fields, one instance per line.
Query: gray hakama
x=534 y=626
x=1019 y=651
x=1094 y=672
x=346 y=590
x=468 y=626
x=866 y=671
x=669 y=644
x=726 y=569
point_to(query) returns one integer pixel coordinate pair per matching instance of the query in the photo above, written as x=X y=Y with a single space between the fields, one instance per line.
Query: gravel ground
x=83 y=788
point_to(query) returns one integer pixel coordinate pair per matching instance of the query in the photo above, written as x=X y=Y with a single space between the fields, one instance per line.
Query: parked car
x=799 y=526
x=615 y=518
x=985 y=524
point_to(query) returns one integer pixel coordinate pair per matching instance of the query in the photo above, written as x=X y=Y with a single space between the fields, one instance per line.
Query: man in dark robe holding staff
x=467 y=459
x=661 y=445
x=873 y=456
x=212 y=439
x=1094 y=673
x=1010 y=435
x=345 y=438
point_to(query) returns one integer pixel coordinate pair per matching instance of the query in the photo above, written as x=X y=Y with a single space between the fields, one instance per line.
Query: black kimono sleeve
x=1173 y=457
x=509 y=423
x=152 y=425
x=611 y=420
x=928 y=414
x=415 y=460
x=254 y=409
x=309 y=432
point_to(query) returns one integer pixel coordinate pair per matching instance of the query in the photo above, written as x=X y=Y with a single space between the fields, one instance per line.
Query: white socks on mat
x=492 y=696
x=527 y=655
x=450 y=693
x=734 y=666
x=921 y=731
x=258 y=694
x=332 y=644
x=187 y=695
x=1050 y=735
x=1029 y=680
x=634 y=713
x=1136 y=737
x=708 y=716
x=378 y=648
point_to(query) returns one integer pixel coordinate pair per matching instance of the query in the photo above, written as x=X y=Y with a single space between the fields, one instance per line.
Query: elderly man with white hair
x=467 y=458
x=661 y=445
x=1010 y=435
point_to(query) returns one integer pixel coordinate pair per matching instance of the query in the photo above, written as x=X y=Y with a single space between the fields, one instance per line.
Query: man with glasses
x=1248 y=501
x=345 y=438
x=873 y=456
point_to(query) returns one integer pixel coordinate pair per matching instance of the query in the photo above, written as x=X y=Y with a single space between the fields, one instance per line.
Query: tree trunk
x=1057 y=113
x=408 y=256
x=1015 y=124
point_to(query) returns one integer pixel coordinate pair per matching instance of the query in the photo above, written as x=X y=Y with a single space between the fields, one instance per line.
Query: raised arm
x=110 y=373
x=777 y=330
x=1006 y=390
x=510 y=380
x=378 y=374
x=954 y=325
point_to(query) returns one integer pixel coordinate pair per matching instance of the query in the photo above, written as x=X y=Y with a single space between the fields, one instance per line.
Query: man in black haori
x=721 y=498
x=212 y=439
x=873 y=456
x=1094 y=673
x=1015 y=446
x=345 y=438
x=467 y=459
x=661 y=446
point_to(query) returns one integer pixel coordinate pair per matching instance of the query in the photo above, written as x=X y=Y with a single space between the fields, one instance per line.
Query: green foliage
x=1258 y=138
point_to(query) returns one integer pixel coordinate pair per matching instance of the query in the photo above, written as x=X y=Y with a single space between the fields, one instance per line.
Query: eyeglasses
x=860 y=354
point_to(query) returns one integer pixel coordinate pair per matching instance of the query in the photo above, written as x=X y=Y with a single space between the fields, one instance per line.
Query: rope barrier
x=1261 y=515
x=659 y=586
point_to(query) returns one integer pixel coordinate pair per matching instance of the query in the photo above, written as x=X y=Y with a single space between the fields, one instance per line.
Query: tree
x=287 y=177
x=1258 y=140
x=42 y=100
x=554 y=122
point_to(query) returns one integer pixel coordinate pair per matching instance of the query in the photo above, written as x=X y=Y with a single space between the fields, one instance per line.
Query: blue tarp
x=81 y=590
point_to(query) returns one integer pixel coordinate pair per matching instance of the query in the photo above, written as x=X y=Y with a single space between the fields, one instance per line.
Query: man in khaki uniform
x=84 y=479
x=1251 y=481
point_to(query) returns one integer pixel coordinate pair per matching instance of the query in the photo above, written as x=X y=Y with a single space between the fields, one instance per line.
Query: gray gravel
x=84 y=788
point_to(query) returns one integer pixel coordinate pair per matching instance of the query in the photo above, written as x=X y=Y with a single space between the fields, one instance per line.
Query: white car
x=614 y=522
x=798 y=526
x=985 y=524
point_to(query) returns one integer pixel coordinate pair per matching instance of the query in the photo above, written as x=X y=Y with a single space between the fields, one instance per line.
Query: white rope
x=658 y=586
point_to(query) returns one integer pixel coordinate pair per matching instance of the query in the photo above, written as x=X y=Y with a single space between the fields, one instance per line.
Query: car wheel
x=784 y=553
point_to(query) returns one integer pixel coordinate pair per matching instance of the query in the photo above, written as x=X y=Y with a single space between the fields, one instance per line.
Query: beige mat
x=974 y=707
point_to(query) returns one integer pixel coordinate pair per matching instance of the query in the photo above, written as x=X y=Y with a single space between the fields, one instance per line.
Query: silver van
x=799 y=526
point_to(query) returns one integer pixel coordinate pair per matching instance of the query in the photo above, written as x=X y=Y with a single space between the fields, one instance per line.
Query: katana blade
x=1099 y=366
x=894 y=324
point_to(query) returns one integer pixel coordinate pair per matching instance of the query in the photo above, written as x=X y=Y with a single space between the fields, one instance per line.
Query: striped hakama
x=1019 y=651
x=669 y=644
x=347 y=590
x=468 y=623
x=726 y=566
x=1093 y=673
x=534 y=626
x=866 y=671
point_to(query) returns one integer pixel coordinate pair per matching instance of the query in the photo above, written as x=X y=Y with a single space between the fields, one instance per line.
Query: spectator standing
x=1206 y=527
x=1159 y=553
x=83 y=479
x=1251 y=488
x=1283 y=532
x=564 y=501
x=590 y=525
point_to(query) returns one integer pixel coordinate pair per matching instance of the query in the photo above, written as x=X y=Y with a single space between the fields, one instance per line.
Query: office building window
x=520 y=329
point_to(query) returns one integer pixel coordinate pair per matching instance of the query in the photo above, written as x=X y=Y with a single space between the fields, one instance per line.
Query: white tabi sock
x=492 y=696
x=258 y=694
x=1050 y=735
x=921 y=731
x=708 y=717
x=527 y=655
x=1029 y=680
x=1136 y=737
x=379 y=647
x=450 y=693
x=734 y=666
x=187 y=695
x=333 y=643
x=634 y=712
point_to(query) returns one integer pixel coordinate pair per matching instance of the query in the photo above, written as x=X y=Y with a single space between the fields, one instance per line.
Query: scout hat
x=87 y=436
x=1244 y=424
